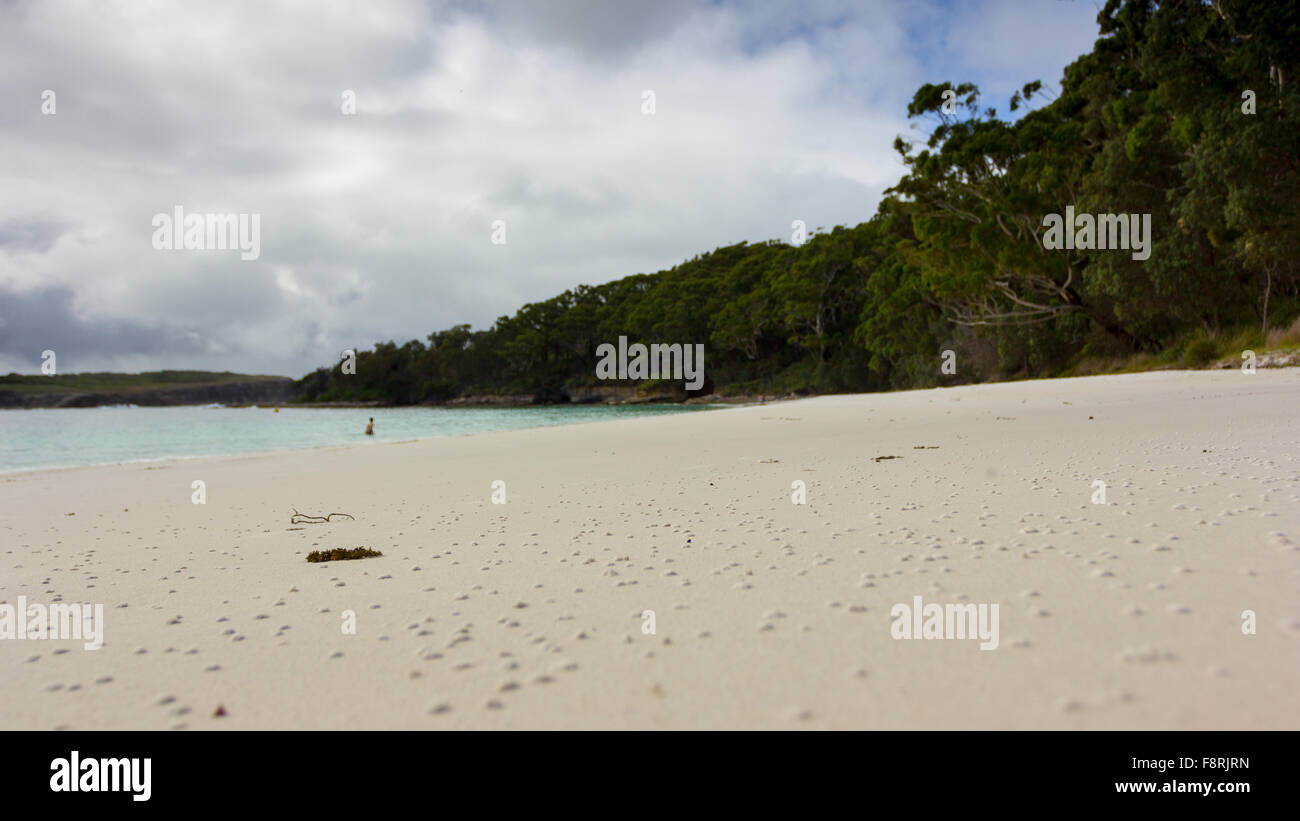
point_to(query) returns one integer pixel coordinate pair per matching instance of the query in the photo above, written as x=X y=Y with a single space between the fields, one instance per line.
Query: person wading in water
x=370 y=427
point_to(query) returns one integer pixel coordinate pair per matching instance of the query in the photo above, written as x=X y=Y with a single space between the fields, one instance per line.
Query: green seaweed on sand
x=340 y=553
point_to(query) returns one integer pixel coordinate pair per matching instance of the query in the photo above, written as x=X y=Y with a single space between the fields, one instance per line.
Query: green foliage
x=1200 y=352
x=1150 y=121
x=121 y=382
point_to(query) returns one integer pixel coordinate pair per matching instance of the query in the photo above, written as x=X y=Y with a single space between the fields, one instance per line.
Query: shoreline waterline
x=70 y=438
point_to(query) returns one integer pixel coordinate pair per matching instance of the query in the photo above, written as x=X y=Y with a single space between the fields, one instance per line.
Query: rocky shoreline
x=579 y=396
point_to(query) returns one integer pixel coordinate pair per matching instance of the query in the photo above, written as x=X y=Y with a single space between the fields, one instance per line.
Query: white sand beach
x=767 y=614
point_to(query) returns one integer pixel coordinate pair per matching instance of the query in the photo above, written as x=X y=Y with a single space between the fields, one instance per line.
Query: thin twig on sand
x=304 y=519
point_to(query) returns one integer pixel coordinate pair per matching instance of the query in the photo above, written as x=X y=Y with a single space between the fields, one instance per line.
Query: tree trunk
x=1107 y=324
x=1268 y=287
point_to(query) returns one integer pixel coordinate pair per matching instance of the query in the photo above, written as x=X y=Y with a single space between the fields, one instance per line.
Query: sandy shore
x=768 y=614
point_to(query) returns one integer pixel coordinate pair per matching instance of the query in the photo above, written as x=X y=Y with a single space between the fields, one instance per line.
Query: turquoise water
x=67 y=437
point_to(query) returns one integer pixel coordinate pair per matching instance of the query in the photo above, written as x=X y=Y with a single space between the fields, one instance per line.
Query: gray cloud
x=46 y=319
x=593 y=28
x=377 y=226
x=31 y=235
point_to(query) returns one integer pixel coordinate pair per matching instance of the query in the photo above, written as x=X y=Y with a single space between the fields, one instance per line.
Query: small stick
x=304 y=519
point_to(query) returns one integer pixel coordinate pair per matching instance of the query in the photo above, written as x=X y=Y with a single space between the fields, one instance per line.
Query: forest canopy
x=1184 y=111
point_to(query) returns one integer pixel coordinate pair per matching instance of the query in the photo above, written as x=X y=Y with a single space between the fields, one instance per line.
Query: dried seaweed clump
x=341 y=553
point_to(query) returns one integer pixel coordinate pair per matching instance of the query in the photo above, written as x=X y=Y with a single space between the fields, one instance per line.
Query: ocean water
x=68 y=437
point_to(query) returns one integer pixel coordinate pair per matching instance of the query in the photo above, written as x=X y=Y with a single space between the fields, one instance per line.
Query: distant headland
x=152 y=388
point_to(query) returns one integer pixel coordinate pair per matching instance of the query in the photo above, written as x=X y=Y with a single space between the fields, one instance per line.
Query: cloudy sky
x=379 y=225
